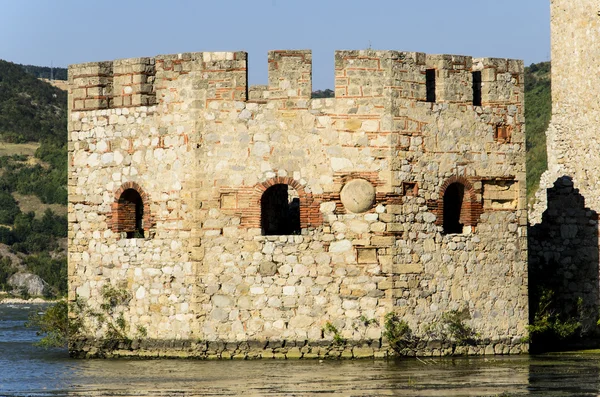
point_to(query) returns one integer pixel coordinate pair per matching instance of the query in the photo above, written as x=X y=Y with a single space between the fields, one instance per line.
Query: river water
x=26 y=370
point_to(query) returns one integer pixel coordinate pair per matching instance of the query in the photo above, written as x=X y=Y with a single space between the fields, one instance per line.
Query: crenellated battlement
x=369 y=73
x=133 y=82
x=223 y=76
x=145 y=81
x=290 y=74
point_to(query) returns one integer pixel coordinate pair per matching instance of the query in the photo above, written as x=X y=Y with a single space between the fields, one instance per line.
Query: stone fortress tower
x=212 y=219
x=563 y=238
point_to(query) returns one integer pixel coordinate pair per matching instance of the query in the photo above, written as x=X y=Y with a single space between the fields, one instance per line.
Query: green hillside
x=30 y=110
x=33 y=178
x=538 y=109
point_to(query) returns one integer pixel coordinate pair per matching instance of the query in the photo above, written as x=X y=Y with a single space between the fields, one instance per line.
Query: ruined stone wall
x=572 y=134
x=367 y=169
x=563 y=236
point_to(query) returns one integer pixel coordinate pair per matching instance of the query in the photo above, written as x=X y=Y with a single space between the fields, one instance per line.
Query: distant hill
x=45 y=72
x=30 y=110
x=327 y=93
x=538 y=110
x=60 y=84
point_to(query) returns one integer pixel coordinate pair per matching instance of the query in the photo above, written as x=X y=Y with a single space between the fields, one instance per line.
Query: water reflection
x=28 y=371
x=274 y=378
x=461 y=377
x=565 y=375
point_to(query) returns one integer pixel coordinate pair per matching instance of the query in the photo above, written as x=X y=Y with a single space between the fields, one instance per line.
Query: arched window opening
x=280 y=211
x=453 y=205
x=131 y=214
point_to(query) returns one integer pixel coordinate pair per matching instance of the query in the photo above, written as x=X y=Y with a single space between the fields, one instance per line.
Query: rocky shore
x=6 y=300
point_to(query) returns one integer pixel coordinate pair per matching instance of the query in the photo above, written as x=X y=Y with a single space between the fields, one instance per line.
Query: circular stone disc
x=358 y=196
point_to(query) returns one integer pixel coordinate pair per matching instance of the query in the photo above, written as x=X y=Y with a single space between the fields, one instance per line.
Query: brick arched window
x=457 y=205
x=256 y=205
x=280 y=210
x=131 y=211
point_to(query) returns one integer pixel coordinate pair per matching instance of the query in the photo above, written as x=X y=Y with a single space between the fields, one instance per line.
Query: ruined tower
x=572 y=137
x=563 y=237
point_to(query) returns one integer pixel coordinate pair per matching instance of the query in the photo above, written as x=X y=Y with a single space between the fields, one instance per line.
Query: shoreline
x=23 y=301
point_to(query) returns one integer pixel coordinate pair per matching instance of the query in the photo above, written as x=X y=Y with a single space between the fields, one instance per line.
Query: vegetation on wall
x=53 y=325
x=398 y=333
x=551 y=328
x=452 y=329
x=329 y=328
x=56 y=328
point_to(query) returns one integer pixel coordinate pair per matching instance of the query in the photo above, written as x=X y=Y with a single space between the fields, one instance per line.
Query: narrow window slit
x=476 y=88
x=430 y=84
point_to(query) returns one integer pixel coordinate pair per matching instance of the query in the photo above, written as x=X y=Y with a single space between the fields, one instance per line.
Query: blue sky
x=39 y=32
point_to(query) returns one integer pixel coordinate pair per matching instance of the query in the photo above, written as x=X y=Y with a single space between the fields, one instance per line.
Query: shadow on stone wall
x=563 y=261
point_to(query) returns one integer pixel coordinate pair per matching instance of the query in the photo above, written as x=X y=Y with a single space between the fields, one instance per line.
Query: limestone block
x=408 y=268
x=358 y=227
x=267 y=269
x=341 y=164
x=384 y=241
x=391 y=227
x=340 y=246
x=366 y=255
x=221 y=301
x=353 y=124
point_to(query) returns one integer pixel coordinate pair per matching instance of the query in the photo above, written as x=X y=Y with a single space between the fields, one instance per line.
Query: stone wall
x=369 y=169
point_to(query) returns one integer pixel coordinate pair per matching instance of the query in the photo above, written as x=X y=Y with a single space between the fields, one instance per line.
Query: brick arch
x=472 y=208
x=310 y=216
x=280 y=180
x=262 y=187
x=117 y=223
